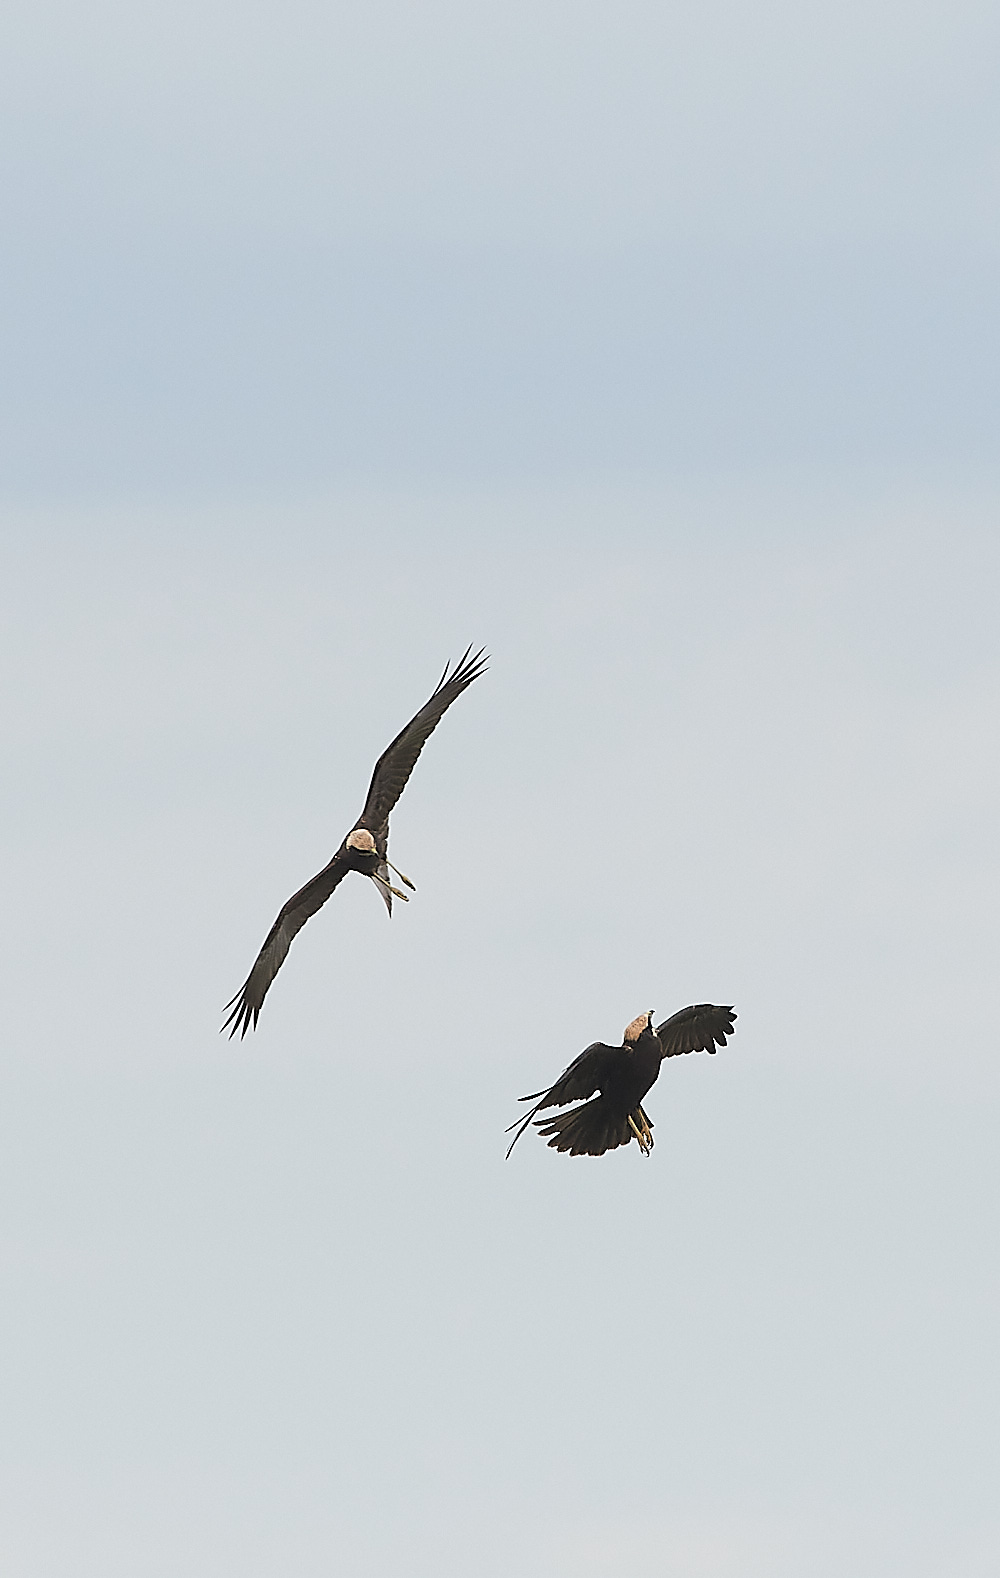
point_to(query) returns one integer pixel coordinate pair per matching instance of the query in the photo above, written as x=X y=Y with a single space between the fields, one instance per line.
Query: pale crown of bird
x=360 y=838
x=635 y=1029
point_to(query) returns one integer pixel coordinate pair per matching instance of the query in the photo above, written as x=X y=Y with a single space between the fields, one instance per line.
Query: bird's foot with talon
x=643 y=1134
x=402 y=877
x=396 y=892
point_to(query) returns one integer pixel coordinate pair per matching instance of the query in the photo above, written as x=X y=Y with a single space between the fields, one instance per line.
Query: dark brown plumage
x=622 y=1076
x=365 y=849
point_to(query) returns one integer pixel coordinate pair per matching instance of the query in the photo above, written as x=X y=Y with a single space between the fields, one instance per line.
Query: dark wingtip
x=240 y=1017
x=469 y=667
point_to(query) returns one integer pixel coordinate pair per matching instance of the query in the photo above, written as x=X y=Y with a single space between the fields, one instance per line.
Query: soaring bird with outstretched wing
x=617 y=1078
x=365 y=849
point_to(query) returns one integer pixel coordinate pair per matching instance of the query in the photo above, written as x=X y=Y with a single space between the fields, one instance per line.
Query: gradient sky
x=654 y=348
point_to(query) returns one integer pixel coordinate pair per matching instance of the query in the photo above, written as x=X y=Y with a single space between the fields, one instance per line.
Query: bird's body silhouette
x=620 y=1077
x=365 y=849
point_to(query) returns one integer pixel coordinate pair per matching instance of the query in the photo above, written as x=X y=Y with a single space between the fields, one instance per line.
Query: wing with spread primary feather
x=699 y=1028
x=396 y=763
x=246 y=1005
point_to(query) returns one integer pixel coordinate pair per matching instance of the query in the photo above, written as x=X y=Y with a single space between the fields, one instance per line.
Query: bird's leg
x=643 y=1146
x=394 y=891
x=642 y=1135
x=401 y=876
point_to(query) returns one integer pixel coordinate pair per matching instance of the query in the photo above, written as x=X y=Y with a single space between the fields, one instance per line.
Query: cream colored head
x=361 y=839
x=635 y=1029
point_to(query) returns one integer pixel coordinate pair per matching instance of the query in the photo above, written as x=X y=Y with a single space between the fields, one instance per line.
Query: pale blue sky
x=273 y=247
x=655 y=349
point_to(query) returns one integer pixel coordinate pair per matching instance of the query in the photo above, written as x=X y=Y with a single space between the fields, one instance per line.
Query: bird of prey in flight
x=622 y=1075
x=365 y=849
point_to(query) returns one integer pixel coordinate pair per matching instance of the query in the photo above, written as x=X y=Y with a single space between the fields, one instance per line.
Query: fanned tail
x=589 y=1130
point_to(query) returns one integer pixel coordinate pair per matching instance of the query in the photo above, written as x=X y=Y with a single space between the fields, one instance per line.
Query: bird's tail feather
x=589 y=1130
x=384 y=886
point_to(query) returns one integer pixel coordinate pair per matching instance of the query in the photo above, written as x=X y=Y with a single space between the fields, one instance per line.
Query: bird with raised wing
x=620 y=1077
x=366 y=847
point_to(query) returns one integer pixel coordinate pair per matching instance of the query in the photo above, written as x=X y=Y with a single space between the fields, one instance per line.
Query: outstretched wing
x=699 y=1028
x=396 y=763
x=585 y=1075
x=246 y=1005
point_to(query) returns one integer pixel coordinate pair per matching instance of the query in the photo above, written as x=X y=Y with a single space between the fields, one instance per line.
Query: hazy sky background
x=656 y=349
